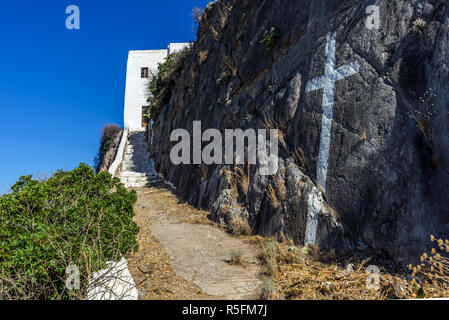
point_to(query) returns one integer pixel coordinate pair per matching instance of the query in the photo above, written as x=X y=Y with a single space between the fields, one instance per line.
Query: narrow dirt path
x=183 y=255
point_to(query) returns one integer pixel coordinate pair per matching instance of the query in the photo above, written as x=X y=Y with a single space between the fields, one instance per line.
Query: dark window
x=144 y=73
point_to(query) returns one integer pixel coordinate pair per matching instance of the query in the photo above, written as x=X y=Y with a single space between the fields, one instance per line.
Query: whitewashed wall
x=135 y=96
x=135 y=92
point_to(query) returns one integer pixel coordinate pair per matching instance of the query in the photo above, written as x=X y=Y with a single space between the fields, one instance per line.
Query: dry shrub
x=423 y=114
x=110 y=135
x=240 y=227
x=431 y=277
x=196 y=14
x=110 y=131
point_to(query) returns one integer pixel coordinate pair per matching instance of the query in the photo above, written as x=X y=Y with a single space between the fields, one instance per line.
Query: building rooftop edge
x=147 y=51
x=157 y=50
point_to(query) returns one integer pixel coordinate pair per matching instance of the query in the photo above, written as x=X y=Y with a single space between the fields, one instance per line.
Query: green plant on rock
x=161 y=85
x=76 y=218
x=270 y=39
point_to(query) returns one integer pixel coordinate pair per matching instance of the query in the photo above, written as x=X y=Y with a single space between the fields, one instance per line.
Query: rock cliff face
x=374 y=173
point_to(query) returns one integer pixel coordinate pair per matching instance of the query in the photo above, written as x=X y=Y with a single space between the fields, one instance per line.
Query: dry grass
x=271 y=124
x=300 y=159
x=314 y=274
x=241 y=177
x=363 y=136
x=276 y=191
x=419 y=25
x=215 y=33
x=204 y=172
x=431 y=277
x=240 y=227
x=224 y=12
x=236 y=258
x=269 y=291
x=255 y=240
x=230 y=64
x=269 y=257
x=272 y=197
x=203 y=55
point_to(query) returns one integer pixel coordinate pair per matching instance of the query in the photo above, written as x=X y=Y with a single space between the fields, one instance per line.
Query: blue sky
x=58 y=87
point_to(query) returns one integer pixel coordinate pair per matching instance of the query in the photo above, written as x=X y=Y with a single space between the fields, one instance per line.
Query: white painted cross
x=327 y=83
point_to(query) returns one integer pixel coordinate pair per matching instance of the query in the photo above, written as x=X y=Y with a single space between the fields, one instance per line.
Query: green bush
x=161 y=86
x=270 y=38
x=74 y=218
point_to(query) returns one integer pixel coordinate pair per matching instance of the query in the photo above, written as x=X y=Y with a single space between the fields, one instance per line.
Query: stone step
x=137 y=185
x=132 y=174
x=147 y=178
x=139 y=180
x=142 y=168
x=137 y=154
x=137 y=167
x=136 y=158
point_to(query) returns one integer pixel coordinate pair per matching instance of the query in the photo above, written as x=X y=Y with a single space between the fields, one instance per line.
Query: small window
x=144 y=73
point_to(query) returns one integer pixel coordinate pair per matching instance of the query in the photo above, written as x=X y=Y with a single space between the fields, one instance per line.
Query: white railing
x=119 y=156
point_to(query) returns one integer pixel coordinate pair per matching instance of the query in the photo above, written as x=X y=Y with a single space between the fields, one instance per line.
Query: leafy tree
x=74 y=218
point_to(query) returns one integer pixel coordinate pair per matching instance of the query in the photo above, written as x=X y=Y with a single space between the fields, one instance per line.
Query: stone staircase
x=137 y=167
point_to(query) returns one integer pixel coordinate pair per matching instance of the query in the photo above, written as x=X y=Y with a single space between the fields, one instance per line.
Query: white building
x=141 y=65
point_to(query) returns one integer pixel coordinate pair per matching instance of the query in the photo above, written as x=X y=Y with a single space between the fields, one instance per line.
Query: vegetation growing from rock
x=76 y=218
x=270 y=39
x=161 y=85
x=431 y=276
x=110 y=138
